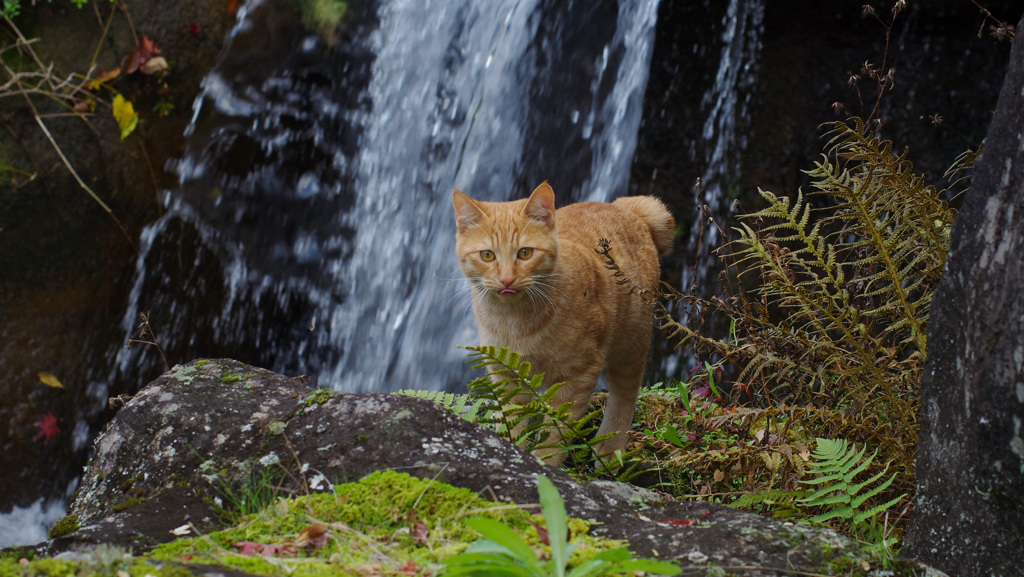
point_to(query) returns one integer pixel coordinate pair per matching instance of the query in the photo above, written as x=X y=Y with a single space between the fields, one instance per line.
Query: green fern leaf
x=769 y=496
x=840 y=512
x=522 y=405
x=474 y=410
x=867 y=516
x=836 y=463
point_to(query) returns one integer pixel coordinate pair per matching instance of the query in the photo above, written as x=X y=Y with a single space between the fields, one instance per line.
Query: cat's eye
x=486 y=255
x=525 y=253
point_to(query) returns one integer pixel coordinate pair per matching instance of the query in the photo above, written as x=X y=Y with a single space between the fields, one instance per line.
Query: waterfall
x=312 y=232
x=723 y=139
x=724 y=132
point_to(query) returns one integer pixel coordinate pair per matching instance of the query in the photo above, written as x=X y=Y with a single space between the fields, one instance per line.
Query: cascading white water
x=343 y=268
x=724 y=138
x=728 y=114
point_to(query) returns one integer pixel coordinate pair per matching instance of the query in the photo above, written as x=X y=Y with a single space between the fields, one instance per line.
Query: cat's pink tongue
x=507 y=291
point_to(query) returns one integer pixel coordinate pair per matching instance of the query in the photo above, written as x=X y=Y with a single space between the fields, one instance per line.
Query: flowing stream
x=311 y=232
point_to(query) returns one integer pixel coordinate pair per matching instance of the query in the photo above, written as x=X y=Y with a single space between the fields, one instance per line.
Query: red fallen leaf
x=248 y=548
x=676 y=522
x=411 y=568
x=49 y=428
x=141 y=55
x=686 y=522
x=271 y=550
x=420 y=532
x=194 y=29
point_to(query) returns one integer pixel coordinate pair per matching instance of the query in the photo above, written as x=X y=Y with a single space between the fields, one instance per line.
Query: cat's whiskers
x=533 y=293
x=464 y=287
x=542 y=281
x=536 y=293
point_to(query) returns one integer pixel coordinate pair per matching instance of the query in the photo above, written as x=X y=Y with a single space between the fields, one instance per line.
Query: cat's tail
x=658 y=219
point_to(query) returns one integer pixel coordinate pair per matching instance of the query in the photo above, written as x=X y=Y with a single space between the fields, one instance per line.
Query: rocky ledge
x=165 y=459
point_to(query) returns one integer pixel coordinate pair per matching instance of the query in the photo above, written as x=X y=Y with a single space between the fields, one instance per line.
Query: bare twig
x=96 y=54
x=148 y=337
x=152 y=176
x=1001 y=30
x=131 y=25
x=74 y=173
x=57 y=89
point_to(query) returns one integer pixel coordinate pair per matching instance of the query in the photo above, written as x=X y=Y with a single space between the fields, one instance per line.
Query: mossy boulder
x=192 y=449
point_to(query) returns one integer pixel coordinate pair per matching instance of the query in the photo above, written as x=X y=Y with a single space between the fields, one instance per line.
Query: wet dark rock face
x=968 y=516
x=66 y=264
x=155 y=468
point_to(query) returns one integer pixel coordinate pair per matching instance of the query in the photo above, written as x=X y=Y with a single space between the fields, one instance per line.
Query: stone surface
x=969 y=515
x=148 y=476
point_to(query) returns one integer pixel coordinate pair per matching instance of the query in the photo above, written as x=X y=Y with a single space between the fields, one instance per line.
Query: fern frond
x=466 y=406
x=959 y=172
x=521 y=407
x=836 y=463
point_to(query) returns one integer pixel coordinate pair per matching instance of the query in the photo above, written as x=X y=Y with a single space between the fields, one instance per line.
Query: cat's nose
x=507 y=281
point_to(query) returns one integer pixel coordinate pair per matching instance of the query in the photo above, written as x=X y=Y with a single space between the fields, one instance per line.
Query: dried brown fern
x=833 y=333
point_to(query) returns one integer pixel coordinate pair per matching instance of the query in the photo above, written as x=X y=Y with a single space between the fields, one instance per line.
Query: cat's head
x=507 y=249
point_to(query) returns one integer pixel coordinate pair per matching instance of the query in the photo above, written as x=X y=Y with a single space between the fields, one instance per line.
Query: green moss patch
x=128 y=504
x=233 y=378
x=318 y=397
x=63 y=526
x=386 y=523
x=182 y=374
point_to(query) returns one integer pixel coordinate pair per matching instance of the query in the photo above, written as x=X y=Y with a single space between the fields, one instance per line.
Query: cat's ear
x=541 y=205
x=467 y=212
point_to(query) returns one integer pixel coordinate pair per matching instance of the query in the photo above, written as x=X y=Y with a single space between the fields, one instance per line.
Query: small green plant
x=318 y=397
x=689 y=427
x=503 y=552
x=323 y=16
x=256 y=491
x=12 y=8
x=835 y=470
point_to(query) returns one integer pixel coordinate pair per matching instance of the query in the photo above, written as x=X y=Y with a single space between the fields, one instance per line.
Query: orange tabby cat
x=540 y=289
